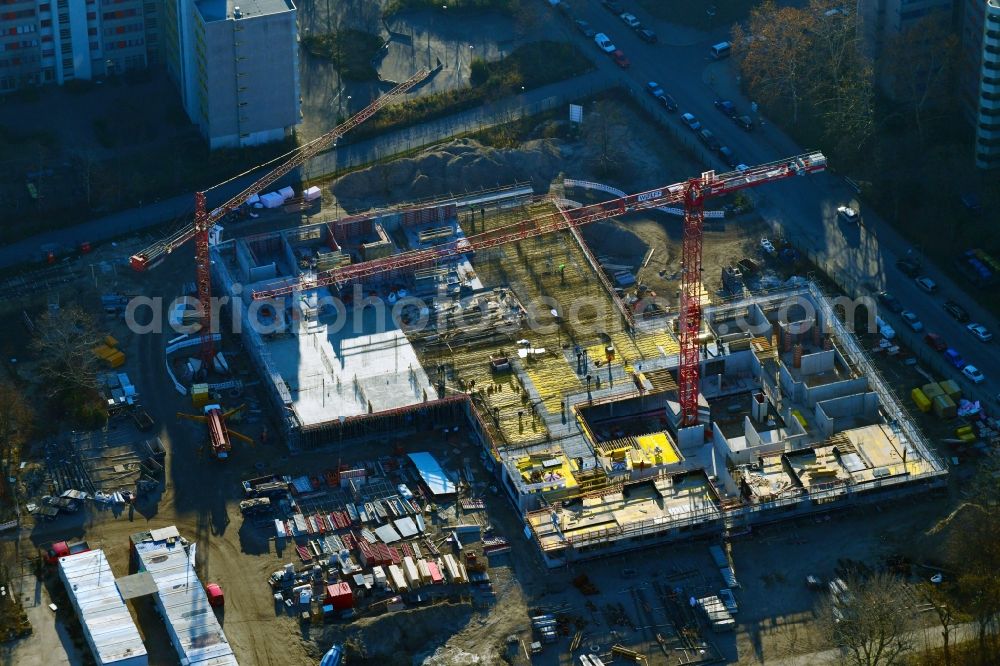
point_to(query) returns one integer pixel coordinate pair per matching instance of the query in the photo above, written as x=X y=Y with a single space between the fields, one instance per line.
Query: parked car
x=926 y=284
x=956 y=311
x=912 y=320
x=935 y=342
x=692 y=122
x=654 y=89
x=889 y=301
x=707 y=138
x=728 y=157
x=908 y=267
x=767 y=246
x=726 y=106
x=630 y=20
x=981 y=332
x=647 y=36
x=669 y=103
x=604 y=43
x=973 y=374
x=744 y=122
x=954 y=358
x=619 y=57
x=613 y=7
x=585 y=28
x=848 y=214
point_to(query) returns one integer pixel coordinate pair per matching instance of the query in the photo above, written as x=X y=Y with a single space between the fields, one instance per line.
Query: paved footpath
x=345 y=157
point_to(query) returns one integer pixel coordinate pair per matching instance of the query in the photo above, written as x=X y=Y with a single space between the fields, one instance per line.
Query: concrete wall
x=832 y=416
x=833 y=390
x=817 y=362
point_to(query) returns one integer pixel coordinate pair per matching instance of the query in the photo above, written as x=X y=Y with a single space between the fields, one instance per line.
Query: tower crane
x=204 y=220
x=692 y=193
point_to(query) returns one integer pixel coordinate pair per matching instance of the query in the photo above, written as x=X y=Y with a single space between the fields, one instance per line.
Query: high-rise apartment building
x=979 y=77
x=54 y=41
x=883 y=20
x=236 y=64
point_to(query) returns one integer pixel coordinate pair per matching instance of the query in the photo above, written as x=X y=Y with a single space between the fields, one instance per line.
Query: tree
x=774 y=54
x=939 y=598
x=920 y=66
x=870 y=621
x=604 y=129
x=65 y=341
x=840 y=78
x=974 y=551
x=15 y=422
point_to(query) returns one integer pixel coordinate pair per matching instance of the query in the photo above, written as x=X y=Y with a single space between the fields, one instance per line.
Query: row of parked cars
x=705 y=135
x=604 y=42
x=911 y=268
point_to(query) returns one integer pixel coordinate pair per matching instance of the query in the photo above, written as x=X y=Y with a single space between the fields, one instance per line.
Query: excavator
x=218 y=434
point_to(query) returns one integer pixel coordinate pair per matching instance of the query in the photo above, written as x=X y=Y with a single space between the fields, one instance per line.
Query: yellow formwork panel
x=657 y=343
x=658 y=448
x=553 y=378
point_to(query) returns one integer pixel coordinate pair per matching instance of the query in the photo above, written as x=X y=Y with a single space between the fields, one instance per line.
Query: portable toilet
x=216 y=598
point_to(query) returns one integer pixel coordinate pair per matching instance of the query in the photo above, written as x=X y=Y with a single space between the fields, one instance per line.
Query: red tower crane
x=692 y=193
x=203 y=219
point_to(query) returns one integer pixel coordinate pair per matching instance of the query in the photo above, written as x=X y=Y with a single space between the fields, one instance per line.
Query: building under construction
x=578 y=412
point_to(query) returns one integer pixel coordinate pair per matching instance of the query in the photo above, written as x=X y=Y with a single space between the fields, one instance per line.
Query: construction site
x=462 y=380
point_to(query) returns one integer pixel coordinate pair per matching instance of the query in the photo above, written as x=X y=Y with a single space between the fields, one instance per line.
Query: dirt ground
x=201 y=495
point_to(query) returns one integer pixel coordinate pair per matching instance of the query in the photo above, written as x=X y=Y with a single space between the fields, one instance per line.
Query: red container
x=339 y=595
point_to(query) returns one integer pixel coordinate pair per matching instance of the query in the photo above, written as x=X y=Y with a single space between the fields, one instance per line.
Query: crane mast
x=204 y=220
x=692 y=194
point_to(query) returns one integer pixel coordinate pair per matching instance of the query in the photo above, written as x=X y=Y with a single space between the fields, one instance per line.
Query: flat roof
x=102 y=612
x=351 y=371
x=432 y=474
x=194 y=630
x=220 y=10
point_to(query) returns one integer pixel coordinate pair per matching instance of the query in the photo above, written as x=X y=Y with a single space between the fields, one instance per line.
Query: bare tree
x=15 y=422
x=65 y=341
x=920 y=65
x=840 y=77
x=870 y=621
x=604 y=129
x=939 y=599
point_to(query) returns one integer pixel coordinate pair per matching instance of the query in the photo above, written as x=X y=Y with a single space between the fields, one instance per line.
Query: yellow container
x=921 y=399
x=116 y=360
x=104 y=352
x=110 y=341
x=199 y=395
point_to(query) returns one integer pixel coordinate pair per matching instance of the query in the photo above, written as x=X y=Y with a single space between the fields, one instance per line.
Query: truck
x=63 y=549
x=257 y=505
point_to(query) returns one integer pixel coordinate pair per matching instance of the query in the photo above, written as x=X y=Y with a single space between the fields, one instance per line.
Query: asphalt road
x=861 y=259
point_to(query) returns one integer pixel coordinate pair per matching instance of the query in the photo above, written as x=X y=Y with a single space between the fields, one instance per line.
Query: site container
x=932 y=390
x=951 y=389
x=339 y=595
x=922 y=401
x=944 y=407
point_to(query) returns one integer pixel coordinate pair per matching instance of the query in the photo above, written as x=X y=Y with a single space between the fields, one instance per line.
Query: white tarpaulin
x=272 y=200
x=312 y=193
x=286 y=192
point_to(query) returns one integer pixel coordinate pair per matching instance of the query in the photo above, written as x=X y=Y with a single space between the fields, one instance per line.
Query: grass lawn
x=695 y=13
x=350 y=51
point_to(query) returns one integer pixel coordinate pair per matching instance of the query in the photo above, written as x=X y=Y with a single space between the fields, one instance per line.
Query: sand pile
x=393 y=639
x=452 y=168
